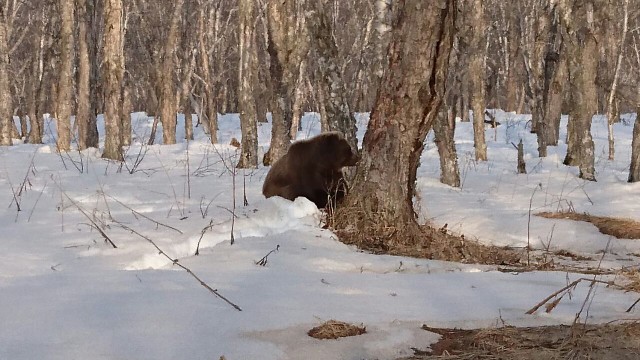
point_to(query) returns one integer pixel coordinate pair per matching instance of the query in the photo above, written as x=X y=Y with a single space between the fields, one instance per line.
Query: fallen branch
x=564 y=290
x=175 y=262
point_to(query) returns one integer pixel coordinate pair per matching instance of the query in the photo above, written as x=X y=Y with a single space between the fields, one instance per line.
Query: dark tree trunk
x=380 y=205
x=85 y=115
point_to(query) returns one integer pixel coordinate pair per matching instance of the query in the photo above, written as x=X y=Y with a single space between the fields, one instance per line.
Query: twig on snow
x=140 y=214
x=177 y=263
x=91 y=220
x=264 y=260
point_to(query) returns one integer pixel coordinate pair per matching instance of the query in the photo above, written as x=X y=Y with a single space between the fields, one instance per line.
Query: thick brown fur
x=312 y=168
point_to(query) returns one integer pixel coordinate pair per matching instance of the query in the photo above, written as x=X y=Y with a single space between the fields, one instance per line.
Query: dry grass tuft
x=419 y=241
x=605 y=342
x=621 y=228
x=334 y=329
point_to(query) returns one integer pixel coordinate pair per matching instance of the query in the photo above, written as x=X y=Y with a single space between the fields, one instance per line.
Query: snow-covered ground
x=67 y=294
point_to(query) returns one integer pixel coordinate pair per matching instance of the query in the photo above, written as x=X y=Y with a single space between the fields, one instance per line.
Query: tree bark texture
x=339 y=116
x=612 y=115
x=209 y=106
x=582 y=50
x=112 y=76
x=477 y=77
x=6 y=111
x=168 y=103
x=408 y=102
x=85 y=117
x=65 y=77
x=537 y=64
x=247 y=78
x=288 y=44
x=444 y=129
x=634 y=169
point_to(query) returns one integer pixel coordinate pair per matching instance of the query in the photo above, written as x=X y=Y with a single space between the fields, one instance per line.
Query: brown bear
x=312 y=168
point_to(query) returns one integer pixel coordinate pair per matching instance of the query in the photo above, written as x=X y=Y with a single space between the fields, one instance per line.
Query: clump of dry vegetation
x=621 y=228
x=619 y=341
x=421 y=241
x=334 y=329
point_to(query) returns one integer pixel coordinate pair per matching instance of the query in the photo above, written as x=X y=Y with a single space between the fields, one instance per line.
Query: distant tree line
x=87 y=57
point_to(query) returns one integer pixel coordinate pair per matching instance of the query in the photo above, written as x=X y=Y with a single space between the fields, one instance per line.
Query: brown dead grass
x=334 y=329
x=425 y=241
x=606 y=342
x=621 y=228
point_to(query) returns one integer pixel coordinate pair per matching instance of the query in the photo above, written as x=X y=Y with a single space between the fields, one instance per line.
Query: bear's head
x=338 y=149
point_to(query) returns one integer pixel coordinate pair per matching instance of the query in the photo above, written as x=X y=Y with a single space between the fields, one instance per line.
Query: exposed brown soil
x=334 y=329
x=619 y=227
x=606 y=342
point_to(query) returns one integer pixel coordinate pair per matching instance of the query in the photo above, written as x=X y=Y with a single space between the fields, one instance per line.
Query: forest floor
x=579 y=341
x=609 y=341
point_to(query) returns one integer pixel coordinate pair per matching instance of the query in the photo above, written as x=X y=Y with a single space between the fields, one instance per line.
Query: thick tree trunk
x=582 y=50
x=168 y=104
x=85 y=117
x=247 y=77
x=113 y=72
x=339 y=116
x=380 y=205
x=65 y=77
x=476 y=77
x=6 y=109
